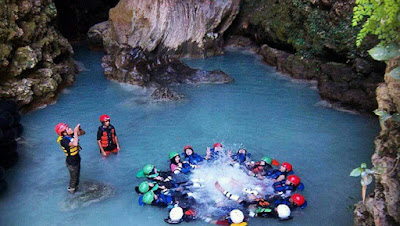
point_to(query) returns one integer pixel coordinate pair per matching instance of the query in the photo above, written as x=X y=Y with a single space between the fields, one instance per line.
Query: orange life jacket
x=107 y=137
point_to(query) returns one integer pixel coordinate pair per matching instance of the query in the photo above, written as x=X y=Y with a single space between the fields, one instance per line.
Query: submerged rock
x=175 y=27
x=89 y=192
x=165 y=94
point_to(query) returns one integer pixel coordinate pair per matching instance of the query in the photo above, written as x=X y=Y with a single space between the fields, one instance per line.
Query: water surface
x=261 y=111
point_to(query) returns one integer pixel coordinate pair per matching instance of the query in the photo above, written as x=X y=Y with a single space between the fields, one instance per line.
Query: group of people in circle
x=167 y=188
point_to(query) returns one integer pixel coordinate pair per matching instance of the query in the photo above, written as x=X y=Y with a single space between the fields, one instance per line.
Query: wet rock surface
x=383 y=206
x=339 y=83
x=138 y=67
x=36 y=61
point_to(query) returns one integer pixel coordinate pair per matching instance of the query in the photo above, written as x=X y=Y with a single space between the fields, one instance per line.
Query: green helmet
x=144 y=187
x=267 y=160
x=148 y=197
x=173 y=154
x=147 y=169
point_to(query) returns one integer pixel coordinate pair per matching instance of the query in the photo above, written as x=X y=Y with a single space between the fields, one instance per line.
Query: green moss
x=310 y=29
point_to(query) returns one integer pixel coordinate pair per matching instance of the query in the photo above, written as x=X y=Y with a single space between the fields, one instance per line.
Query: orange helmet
x=104 y=118
x=60 y=128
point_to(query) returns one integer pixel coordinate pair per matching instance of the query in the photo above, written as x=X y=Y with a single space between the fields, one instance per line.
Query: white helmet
x=283 y=211
x=176 y=213
x=237 y=216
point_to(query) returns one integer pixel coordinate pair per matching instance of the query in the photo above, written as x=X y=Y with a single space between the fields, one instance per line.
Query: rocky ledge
x=345 y=86
x=35 y=60
x=138 y=67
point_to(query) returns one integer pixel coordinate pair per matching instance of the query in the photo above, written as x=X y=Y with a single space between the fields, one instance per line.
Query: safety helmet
x=176 y=213
x=186 y=147
x=237 y=216
x=144 y=187
x=148 y=197
x=173 y=154
x=283 y=211
x=104 y=118
x=147 y=169
x=267 y=160
x=217 y=145
x=298 y=199
x=288 y=166
x=294 y=179
x=60 y=128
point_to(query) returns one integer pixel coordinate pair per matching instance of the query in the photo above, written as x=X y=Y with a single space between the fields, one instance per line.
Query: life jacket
x=72 y=150
x=107 y=137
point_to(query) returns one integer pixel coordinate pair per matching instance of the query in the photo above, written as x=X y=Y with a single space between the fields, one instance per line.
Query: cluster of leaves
x=383 y=116
x=379 y=17
x=365 y=174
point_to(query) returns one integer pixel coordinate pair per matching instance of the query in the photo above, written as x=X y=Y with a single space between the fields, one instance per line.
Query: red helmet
x=294 y=179
x=298 y=199
x=217 y=145
x=104 y=118
x=288 y=166
x=60 y=127
x=186 y=147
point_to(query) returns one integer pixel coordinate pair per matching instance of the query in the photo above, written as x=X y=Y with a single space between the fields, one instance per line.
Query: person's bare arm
x=117 y=143
x=101 y=148
x=75 y=142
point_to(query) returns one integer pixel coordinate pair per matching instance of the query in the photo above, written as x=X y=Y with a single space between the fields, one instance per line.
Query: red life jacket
x=107 y=137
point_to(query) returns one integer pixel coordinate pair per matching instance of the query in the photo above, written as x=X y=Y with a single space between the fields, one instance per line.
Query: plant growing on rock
x=379 y=17
x=366 y=177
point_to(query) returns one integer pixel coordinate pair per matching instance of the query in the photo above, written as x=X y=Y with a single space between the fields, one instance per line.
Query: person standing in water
x=107 y=137
x=69 y=142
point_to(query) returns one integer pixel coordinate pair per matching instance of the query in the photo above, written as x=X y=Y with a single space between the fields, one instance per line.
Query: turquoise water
x=261 y=111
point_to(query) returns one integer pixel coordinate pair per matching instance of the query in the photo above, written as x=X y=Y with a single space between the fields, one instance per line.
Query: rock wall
x=174 y=27
x=314 y=39
x=383 y=206
x=35 y=60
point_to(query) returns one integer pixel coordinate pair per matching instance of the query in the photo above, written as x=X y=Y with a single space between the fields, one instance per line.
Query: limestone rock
x=138 y=67
x=36 y=61
x=175 y=27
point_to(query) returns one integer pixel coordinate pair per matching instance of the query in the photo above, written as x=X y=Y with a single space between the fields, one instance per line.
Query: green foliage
x=365 y=174
x=383 y=116
x=382 y=53
x=379 y=17
x=311 y=30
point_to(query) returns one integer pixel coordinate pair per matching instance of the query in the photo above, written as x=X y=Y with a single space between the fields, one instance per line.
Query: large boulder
x=138 y=67
x=175 y=27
